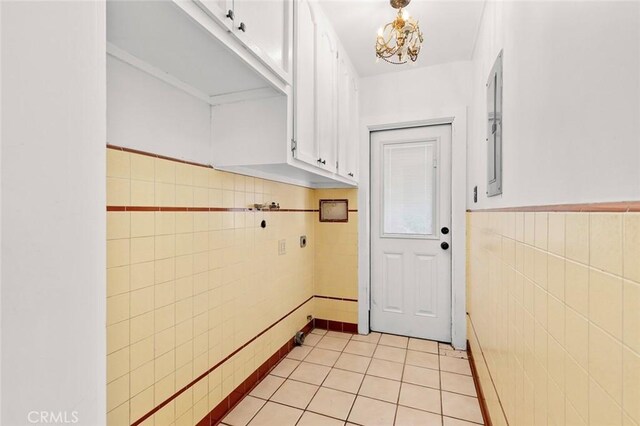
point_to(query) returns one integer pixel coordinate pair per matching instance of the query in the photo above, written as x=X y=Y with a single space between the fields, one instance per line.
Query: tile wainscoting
x=554 y=313
x=198 y=298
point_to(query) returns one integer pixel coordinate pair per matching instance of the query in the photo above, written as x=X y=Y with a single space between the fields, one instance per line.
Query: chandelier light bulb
x=380 y=32
x=405 y=14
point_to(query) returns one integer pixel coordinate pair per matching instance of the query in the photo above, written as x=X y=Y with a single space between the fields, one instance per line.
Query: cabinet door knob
x=319 y=160
x=230 y=14
x=351 y=174
x=324 y=161
x=444 y=245
x=242 y=27
x=444 y=230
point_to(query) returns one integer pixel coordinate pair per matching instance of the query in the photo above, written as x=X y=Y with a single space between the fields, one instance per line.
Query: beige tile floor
x=378 y=379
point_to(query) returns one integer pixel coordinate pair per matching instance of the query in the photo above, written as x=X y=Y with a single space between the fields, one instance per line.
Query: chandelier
x=400 y=40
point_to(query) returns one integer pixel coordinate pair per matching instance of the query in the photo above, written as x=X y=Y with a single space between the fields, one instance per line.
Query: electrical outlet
x=282 y=247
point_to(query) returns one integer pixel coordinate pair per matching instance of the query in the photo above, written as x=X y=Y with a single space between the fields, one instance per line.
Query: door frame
x=457 y=118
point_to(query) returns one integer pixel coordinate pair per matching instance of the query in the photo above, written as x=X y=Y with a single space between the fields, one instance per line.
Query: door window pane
x=408 y=177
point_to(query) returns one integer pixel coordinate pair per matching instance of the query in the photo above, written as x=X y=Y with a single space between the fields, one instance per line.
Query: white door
x=410 y=253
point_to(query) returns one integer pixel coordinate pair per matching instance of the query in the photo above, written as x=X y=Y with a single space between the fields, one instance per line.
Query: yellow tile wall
x=554 y=316
x=336 y=261
x=186 y=289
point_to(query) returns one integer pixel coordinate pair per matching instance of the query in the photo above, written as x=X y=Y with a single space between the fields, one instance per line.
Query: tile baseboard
x=476 y=381
x=227 y=404
x=343 y=327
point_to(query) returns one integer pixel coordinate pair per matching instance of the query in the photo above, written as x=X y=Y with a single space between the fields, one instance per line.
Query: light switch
x=282 y=247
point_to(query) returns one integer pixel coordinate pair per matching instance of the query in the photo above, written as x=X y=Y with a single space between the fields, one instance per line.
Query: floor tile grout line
x=366 y=371
x=404 y=365
x=360 y=387
x=331 y=368
x=267 y=400
x=282 y=384
x=325 y=378
x=363 y=376
x=274 y=392
x=440 y=382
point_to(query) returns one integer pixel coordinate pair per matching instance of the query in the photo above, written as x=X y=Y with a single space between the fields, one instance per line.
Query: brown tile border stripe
x=203 y=375
x=613 y=207
x=200 y=209
x=344 y=299
x=476 y=381
x=227 y=404
x=203 y=209
x=162 y=157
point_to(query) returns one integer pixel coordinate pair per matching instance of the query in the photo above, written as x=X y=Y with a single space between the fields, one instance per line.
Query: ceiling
x=449 y=27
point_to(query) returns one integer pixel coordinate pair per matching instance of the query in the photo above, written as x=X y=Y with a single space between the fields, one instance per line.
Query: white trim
x=1 y=216
x=245 y=95
x=457 y=117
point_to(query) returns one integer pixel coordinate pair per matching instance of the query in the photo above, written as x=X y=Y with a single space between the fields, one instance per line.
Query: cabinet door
x=353 y=147
x=220 y=10
x=265 y=27
x=344 y=115
x=304 y=127
x=326 y=70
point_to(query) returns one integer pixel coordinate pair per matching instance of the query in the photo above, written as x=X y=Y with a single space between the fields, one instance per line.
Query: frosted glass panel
x=408 y=183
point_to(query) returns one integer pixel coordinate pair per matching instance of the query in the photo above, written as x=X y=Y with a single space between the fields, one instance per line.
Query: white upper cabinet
x=304 y=116
x=344 y=114
x=265 y=27
x=348 y=142
x=220 y=10
x=316 y=88
x=280 y=88
x=353 y=144
x=326 y=99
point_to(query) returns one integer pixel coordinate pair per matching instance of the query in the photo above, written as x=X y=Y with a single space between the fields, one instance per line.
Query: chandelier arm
x=400 y=40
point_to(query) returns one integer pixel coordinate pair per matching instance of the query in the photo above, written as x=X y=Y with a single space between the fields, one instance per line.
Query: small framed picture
x=334 y=210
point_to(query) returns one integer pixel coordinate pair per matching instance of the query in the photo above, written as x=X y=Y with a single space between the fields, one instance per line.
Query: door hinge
x=294 y=146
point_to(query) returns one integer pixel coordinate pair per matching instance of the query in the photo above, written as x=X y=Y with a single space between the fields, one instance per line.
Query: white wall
x=571 y=102
x=415 y=90
x=1 y=133
x=148 y=114
x=53 y=210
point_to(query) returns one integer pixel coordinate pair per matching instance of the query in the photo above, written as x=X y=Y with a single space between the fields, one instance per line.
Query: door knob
x=444 y=230
x=230 y=14
x=444 y=245
x=242 y=27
